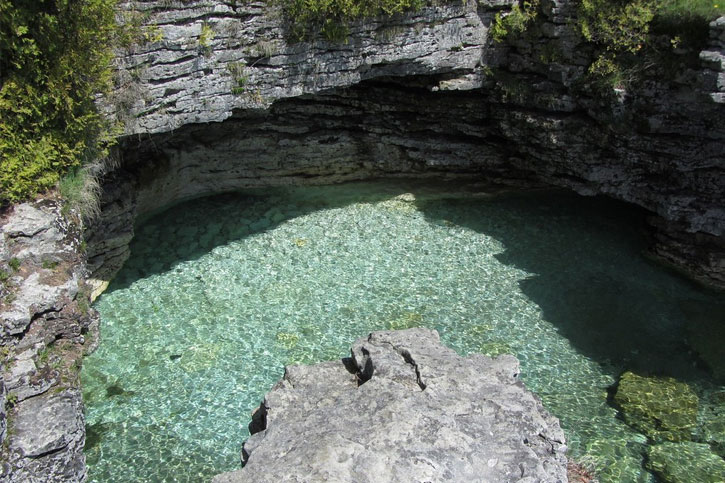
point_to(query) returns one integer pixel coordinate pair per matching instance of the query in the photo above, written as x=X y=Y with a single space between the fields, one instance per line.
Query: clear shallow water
x=220 y=293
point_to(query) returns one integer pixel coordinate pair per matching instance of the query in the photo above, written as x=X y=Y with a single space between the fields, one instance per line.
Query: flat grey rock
x=43 y=428
x=411 y=410
x=44 y=425
x=48 y=435
x=28 y=221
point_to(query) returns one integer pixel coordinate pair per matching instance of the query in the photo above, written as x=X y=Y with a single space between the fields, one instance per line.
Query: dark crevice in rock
x=349 y=363
x=367 y=370
x=409 y=359
x=259 y=420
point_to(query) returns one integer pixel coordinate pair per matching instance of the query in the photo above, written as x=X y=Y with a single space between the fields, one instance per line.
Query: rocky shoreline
x=424 y=94
x=47 y=325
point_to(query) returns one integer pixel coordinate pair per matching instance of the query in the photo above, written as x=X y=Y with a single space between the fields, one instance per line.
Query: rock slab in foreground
x=404 y=408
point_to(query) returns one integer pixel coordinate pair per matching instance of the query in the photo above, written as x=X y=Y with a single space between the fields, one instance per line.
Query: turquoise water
x=220 y=293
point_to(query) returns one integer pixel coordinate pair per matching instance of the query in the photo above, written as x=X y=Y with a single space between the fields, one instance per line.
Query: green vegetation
x=205 y=37
x=50 y=264
x=625 y=32
x=516 y=21
x=240 y=78
x=307 y=18
x=132 y=29
x=628 y=36
x=80 y=188
x=14 y=263
x=54 y=57
x=43 y=355
x=706 y=9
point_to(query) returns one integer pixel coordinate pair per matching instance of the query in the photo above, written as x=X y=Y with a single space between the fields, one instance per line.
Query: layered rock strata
x=46 y=319
x=403 y=408
x=418 y=94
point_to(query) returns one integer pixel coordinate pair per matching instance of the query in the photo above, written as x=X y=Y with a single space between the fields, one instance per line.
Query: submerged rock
x=660 y=407
x=403 y=408
x=686 y=462
x=711 y=421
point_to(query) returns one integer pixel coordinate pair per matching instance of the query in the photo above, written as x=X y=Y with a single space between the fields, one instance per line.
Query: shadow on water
x=597 y=288
x=585 y=258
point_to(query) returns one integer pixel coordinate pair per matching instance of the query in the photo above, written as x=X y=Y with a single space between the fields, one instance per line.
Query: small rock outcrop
x=403 y=408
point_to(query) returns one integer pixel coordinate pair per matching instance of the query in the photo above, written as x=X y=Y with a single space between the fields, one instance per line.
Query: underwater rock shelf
x=403 y=408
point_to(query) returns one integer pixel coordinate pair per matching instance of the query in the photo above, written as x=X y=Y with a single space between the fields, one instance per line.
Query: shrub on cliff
x=307 y=18
x=627 y=36
x=623 y=30
x=54 y=58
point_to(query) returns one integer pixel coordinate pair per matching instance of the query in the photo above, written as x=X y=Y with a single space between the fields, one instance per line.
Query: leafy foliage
x=307 y=18
x=516 y=21
x=621 y=30
x=54 y=58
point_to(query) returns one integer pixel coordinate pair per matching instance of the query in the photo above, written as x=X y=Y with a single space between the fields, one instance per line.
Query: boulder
x=403 y=408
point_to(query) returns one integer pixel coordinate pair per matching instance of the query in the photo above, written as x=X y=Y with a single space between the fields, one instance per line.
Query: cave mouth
x=221 y=292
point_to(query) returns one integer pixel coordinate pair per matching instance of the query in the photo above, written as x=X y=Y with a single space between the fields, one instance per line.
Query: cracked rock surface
x=403 y=408
x=45 y=318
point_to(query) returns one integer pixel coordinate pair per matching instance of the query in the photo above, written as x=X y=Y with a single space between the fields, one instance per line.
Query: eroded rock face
x=404 y=408
x=419 y=94
x=48 y=438
x=183 y=79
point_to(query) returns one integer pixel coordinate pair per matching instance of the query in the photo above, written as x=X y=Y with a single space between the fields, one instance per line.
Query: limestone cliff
x=427 y=93
x=46 y=322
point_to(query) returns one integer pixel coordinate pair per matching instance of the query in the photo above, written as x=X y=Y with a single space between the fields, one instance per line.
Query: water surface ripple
x=220 y=293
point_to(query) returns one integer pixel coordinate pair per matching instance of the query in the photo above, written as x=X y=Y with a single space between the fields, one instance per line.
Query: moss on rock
x=686 y=462
x=660 y=407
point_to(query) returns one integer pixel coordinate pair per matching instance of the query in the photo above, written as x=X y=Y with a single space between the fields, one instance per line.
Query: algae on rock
x=686 y=462
x=660 y=407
